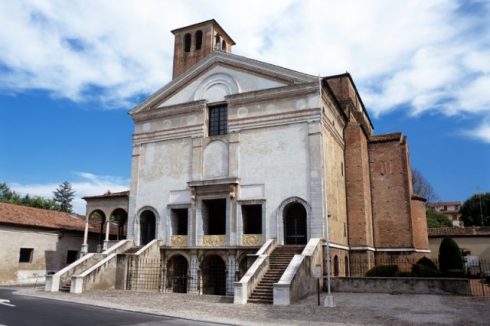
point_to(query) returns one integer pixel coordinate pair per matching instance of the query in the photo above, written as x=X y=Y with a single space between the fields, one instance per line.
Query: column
x=192 y=287
x=84 y=249
x=107 y=231
x=230 y=274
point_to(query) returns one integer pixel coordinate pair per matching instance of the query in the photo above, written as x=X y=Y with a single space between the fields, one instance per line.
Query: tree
x=9 y=196
x=422 y=187
x=63 y=196
x=436 y=219
x=476 y=210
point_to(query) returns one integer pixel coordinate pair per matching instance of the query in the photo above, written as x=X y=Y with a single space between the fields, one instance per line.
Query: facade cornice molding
x=171 y=110
x=272 y=94
x=271 y=120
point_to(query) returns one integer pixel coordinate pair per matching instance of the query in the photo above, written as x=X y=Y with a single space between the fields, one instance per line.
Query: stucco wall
x=479 y=246
x=50 y=250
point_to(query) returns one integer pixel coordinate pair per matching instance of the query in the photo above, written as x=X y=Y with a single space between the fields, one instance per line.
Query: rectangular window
x=179 y=221
x=252 y=219
x=71 y=256
x=25 y=255
x=214 y=216
x=218 y=120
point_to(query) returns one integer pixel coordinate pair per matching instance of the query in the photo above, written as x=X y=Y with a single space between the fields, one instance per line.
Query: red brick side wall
x=358 y=187
x=419 y=224
x=391 y=198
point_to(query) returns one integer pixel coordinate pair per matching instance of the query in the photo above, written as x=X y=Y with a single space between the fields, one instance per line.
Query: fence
x=176 y=276
x=476 y=270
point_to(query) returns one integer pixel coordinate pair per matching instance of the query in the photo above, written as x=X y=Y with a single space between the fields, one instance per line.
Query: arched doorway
x=120 y=216
x=213 y=272
x=294 y=224
x=147 y=227
x=97 y=217
x=177 y=274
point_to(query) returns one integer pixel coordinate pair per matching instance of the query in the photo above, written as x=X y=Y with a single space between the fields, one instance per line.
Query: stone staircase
x=133 y=250
x=65 y=287
x=278 y=262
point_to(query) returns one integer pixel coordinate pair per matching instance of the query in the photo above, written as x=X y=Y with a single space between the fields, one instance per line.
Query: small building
x=451 y=209
x=473 y=241
x=35 y=242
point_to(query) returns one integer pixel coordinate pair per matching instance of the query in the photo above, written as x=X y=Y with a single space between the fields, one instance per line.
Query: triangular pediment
x=221 y=74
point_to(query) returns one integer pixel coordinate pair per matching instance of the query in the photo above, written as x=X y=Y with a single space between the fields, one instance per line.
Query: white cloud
x=424 y=55
x=88 y=184
x=481 y=132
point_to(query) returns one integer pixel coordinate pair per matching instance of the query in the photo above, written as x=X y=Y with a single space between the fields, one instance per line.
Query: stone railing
x=213 y=240
x=251 y=239
x=53 y=282
x=178 y=240
x=254 y=274
x=298 y=279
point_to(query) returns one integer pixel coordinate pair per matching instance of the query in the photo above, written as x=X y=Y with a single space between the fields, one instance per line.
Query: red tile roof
x=37 y=217
x=459 y=232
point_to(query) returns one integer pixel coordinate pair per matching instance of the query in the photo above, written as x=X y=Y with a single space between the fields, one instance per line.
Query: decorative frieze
x=213 y=240
x=251 y=239
x=179 y=240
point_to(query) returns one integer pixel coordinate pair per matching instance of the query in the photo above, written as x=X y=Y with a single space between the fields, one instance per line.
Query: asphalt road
x=20 y=310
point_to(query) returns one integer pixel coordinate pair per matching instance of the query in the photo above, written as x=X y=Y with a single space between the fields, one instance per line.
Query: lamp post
x=329 y=298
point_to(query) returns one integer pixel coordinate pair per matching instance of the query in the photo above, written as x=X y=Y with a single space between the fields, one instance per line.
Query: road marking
x=6 y=302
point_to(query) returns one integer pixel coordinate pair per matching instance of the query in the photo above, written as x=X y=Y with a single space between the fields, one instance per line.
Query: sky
x=71 y=70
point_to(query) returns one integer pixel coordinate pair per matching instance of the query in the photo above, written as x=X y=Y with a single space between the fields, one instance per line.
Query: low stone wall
x=405 y=285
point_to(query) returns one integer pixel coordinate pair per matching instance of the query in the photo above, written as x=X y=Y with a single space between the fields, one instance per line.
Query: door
x=295 y=224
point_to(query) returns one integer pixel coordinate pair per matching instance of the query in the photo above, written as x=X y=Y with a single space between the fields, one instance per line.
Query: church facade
x=235 y=152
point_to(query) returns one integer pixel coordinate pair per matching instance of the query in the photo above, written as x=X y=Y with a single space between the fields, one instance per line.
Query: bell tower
x=194 y=42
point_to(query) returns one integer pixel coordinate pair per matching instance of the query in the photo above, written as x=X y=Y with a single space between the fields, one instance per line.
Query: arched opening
x=346 y=267
x=177 y=269
x=198 y=37
x=223 y=45
x=294 y=224
x=97 y=218
x=120 y=217
x=217 y=40
x=213 y=271
x=335 y=265
x=187 y=42
x=147 y=227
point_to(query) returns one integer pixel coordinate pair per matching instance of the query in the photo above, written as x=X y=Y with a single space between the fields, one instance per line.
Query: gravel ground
x=351 y=308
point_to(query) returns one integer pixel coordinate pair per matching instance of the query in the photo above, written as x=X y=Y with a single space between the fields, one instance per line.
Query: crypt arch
x=213 y=274
x=177 y=273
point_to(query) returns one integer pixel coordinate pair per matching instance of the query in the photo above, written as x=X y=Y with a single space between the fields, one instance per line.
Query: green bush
x=450 y=256
x=454 y=272
x=422 y=270
x=383 y=271
x=405 y=274
x=426 y=262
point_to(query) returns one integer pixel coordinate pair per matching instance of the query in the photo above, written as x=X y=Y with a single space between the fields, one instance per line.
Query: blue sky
x=71 y=70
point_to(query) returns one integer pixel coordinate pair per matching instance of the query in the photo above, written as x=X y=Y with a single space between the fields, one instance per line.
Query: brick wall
x=419 y=223
x=391 y=198
x=358 y=186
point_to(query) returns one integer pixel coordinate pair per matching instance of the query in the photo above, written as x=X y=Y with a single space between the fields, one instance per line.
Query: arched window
x=198 y=37
x=346 y=262
x=336 y=266
x=187 y=42
x=217 y=41
x=223 y=45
